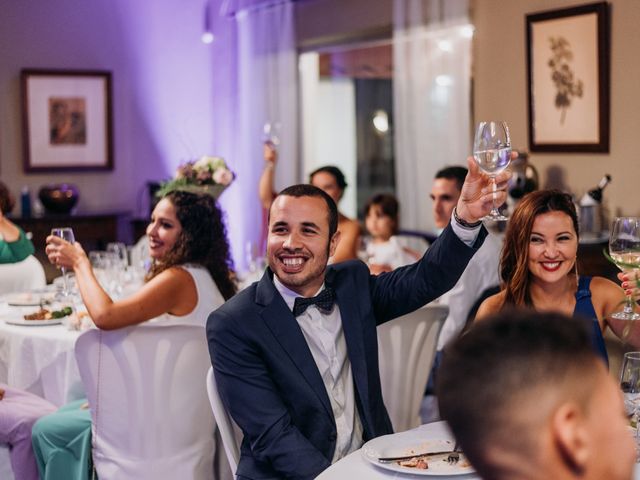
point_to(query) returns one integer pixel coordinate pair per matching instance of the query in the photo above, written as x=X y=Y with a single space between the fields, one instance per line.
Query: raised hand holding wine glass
x=624 y=249
x=66 y=234
x=492 y=153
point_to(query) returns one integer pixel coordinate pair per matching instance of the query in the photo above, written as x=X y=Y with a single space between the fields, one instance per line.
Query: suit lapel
x=346 y=297
x=287 y=332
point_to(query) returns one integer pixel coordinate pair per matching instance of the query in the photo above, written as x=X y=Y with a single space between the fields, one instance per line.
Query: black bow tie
x=324 y=301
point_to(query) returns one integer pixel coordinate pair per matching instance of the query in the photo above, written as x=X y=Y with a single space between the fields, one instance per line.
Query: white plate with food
x=413 y=442
x=28 y=299
x=32 y=323
x=40 y=317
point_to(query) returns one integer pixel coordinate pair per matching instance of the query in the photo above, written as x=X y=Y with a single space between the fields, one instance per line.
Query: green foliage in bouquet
x=209 y=175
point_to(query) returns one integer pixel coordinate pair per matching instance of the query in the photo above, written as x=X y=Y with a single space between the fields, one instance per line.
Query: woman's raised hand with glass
x=63 y=251
x=624 y=249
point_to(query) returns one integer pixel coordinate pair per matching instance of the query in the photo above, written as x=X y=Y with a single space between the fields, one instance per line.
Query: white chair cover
x=228 y=429
x=22 y=276
x=406 y=349
x=149 y=406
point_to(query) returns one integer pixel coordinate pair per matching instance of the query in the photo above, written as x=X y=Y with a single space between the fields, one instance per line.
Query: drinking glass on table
x=630 y=386
x=65 y=233
x=492 y=153
x=624 y=249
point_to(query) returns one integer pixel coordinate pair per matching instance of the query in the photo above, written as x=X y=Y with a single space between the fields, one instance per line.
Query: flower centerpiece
x=208 y=175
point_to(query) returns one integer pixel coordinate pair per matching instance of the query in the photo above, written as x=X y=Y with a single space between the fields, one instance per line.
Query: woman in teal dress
x=191 y=276
x=14 y=245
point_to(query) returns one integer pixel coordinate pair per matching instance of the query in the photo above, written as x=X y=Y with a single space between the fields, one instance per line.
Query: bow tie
x=324 y=301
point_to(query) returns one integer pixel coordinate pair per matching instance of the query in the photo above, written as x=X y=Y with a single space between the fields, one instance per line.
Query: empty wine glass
x=624 y=249
x=66 y=233
x=492 y=153
x=630 y=386
x=272 y=133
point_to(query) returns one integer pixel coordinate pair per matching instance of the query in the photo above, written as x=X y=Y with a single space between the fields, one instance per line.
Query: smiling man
x=295 y=355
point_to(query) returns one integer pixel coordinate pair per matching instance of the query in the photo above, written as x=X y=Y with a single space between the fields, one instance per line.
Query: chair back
x=228 y=429
x=149 y=407
x=22 y=276
x=406 y=349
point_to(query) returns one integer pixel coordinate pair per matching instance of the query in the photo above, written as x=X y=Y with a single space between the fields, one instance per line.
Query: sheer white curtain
x=432 y=98
x=265 y=91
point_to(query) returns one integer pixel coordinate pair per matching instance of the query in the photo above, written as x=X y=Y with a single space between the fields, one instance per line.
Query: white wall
x=329 y=127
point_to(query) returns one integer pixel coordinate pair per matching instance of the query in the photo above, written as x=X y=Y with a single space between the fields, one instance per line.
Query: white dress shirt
x=325 y=338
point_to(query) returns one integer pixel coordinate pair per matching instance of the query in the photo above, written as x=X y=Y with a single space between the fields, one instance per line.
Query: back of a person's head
x=499 y=382
x=7 y=202
x=454 y=172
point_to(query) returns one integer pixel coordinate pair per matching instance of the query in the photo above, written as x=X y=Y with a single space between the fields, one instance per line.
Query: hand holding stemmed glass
x=271 y=141
x=66 y=234
x=492 y=153
x=624 y=249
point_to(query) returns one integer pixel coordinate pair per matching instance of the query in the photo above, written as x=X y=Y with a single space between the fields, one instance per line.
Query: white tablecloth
x=354 y=466
x=40 y=359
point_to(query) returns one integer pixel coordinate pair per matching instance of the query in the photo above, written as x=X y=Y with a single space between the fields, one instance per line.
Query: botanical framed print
x=67 y=120
x=568 y=73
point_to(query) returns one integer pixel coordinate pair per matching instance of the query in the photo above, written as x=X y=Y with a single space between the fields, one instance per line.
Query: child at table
x=383 y=251
x=190 y=277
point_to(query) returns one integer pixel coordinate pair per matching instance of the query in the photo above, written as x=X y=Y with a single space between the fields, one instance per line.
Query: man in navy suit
x=295 y=355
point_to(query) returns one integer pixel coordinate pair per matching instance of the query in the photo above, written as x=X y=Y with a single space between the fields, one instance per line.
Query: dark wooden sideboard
x=592 y=262
x=92 y=230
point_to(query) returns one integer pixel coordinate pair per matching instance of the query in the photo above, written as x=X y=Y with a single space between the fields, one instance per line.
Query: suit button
x=332 y=437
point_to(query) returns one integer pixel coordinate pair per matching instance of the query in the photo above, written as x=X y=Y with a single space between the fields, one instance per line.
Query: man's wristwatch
x=464 y=223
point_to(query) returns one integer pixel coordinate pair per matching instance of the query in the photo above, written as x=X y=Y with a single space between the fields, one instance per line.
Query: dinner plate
x=27 y=299
x=406 y=443
x=32 y=323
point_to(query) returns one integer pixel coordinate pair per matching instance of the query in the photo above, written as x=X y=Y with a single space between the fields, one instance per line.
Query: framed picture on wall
x=67 y=120
x=568 y=73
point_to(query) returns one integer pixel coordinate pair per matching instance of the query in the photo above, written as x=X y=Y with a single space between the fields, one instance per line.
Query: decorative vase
x=58 y=199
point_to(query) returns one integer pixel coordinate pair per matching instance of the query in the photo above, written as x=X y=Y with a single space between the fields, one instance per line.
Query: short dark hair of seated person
x=527 y=398
x=454 y=172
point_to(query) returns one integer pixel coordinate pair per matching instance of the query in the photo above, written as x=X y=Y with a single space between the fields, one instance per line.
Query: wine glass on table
x=630 y=386
x=624 y=249
x=65 y=233
x=492 y=153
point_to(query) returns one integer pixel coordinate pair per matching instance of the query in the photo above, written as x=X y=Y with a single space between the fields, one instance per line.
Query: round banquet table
x=39 y=359
x=355 y=466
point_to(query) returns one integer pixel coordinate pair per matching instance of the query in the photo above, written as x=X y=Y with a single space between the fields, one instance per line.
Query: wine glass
x=492 y=153
x=624 y=249
x=630 y=386
x=272 y=133
x=66 y=233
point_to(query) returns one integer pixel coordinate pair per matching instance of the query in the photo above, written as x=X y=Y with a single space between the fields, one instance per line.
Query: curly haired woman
x=190 y=277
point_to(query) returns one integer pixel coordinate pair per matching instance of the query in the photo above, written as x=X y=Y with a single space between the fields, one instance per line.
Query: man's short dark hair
x=331 y=170
x=455 y=172
x=492 y=377
x=306 y=190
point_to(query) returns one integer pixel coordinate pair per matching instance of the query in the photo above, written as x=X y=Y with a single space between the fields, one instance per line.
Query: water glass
x=492 y=153
x=66 y=233
x=630 y=386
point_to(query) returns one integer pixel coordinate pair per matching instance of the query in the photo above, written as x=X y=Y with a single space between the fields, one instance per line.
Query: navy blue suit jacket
x=269 y=381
